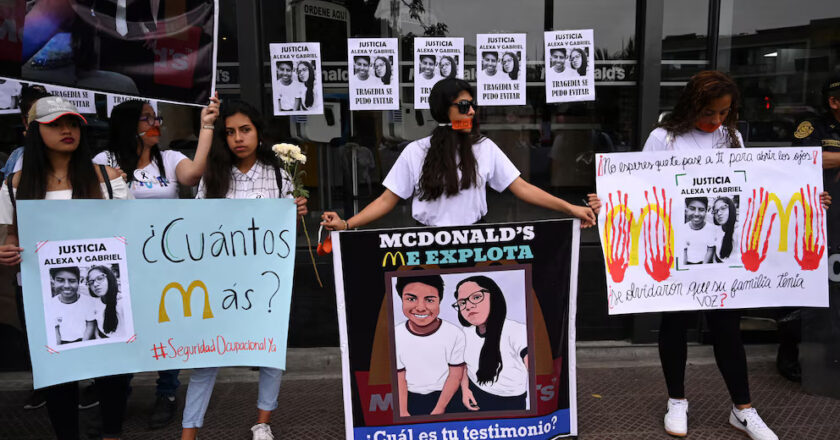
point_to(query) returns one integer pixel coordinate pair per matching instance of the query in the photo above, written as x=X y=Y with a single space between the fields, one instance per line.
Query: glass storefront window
x=684 y=48
x=779 y=53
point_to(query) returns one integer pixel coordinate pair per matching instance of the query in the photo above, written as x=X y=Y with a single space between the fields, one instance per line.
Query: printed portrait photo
x=383 y=70
x=711 y=231
x=461 y=342
x=87 y=303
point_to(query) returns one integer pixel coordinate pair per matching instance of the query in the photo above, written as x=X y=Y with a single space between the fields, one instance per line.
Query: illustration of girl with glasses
x=496 y=349
x=102 y=284
x=446 y=174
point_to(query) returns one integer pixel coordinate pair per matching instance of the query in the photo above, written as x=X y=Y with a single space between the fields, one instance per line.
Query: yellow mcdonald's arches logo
x=393 y=256
x=186 y=295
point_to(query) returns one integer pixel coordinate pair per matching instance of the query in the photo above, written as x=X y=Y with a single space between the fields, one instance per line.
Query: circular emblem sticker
x=142 y=176
x=256 y=195
x=804 y=130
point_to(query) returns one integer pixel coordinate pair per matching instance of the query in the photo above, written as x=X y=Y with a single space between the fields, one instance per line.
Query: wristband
x=346 y=226
x=208 y=127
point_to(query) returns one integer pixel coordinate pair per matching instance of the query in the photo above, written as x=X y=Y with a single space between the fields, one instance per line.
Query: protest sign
x=751 y=233
x=417 y=308
x=296 y=78
x=501 y=71
x=375 y=74
x=114 y=100
x=10 y=90
x=570 y=66
x=120 y=286
x=435 y=59
x=160 y=51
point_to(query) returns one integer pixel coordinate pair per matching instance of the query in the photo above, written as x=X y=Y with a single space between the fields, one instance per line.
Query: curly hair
x=701 y=90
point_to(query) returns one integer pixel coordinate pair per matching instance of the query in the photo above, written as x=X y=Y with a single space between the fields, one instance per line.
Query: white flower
x=300 y=157
x=284 y=149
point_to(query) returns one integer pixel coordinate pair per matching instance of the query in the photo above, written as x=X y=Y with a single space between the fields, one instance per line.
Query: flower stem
x=311 y=256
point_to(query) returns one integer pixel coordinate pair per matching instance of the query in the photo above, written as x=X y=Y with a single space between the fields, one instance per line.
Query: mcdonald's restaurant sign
x=173 y=284
x=713 y=229
x=417 y=295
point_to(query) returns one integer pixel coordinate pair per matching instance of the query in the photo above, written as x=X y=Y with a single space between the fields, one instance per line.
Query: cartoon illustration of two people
x=479 y=365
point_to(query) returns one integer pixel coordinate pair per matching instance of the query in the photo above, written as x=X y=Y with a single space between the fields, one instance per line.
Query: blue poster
x=121 y=286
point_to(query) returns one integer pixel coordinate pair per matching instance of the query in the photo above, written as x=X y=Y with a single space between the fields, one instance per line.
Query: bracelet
x=346 y=226
x=208 y=127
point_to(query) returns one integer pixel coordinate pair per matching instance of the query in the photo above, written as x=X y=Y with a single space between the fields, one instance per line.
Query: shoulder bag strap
x=104 y=172
x=9 y=179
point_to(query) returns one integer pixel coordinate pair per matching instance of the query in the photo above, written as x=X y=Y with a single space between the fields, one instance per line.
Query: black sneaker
x=89 y=397
x=35 y=400
x=163 y=412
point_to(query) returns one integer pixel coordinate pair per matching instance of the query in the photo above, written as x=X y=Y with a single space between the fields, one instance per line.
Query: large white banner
x=296 y=78
x=726 y=228
x=501 y=69
x=570 y=66
x=10 y=90
x=375 y=74
x=434 y=60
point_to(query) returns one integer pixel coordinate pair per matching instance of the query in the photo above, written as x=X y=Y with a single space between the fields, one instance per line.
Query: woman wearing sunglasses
x=496 y=350
x=446 y=173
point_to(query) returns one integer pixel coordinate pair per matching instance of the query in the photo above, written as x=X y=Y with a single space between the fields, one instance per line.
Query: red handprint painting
x=617 y=237
x=658 y=236
x=751 y=255
x=812 y=243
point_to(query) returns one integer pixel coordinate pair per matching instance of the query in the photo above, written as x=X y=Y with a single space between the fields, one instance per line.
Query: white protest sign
x=82 y=99
x=501 y=69
x=296 y=79
x=713 y=229
x=570 y=66
x=9 y=95
x=374 y=73
x=435 y=59
x=10 y=90
x=114 y=100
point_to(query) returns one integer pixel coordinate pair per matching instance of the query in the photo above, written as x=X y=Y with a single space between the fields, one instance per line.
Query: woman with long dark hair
x=510 y=65
x=306 y=75
x=57 y=166
x=578 y=61
x=447 y=66
x=133 y=148
x=242 y=166
x=102 y=285
x=446 y=174
x=496 y=350
x=382 y=69
x=724 y=214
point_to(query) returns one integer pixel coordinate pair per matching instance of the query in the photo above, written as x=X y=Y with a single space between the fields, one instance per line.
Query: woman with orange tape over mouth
x=446 y=174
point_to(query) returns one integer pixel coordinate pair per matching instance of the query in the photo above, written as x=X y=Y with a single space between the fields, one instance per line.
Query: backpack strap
x=104 y=172
x=9 y=179
x=278 y=174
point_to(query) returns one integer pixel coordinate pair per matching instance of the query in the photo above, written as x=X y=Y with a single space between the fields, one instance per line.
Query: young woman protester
x=704 y=119
x=241 y=166
x=57 y=166
x=153 y=173
x=446 y=174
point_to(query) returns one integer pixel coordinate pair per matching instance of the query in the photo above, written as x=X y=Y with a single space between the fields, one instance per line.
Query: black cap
x=832 y=85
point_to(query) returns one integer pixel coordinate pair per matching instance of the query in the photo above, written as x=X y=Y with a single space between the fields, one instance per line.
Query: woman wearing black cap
x=446 y=173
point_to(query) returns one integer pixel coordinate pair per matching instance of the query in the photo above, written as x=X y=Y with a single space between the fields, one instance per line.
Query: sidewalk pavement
x=621 y=395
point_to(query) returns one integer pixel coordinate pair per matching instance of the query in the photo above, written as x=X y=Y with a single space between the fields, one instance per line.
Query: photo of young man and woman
x=86 y=305
x=460 y=342
x=711 y=231
x=375 y=72
x=297 y=87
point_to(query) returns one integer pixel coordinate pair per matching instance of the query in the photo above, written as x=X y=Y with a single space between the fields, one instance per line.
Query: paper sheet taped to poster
x=713 y=229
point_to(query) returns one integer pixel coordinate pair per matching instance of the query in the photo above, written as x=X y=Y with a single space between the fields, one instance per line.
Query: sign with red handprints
x=713 y=229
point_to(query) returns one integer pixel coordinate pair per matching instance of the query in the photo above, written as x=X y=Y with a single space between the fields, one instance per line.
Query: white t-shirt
x=735 y=255
x=426 y=359
x=71 y=319
x=147 y=183
x=286 y=94
x=464 y=208
x=697 y=241
x=660 y=140
x=513 y=379
x=99 y=314
x=118 y=186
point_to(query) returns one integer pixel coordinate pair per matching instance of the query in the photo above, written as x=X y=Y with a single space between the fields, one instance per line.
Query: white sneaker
x=748 y=421
x=262 y=432
x=676 y=419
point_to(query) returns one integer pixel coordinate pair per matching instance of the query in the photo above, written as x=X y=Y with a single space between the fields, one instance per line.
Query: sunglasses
x=151 y=119
x=464 y=106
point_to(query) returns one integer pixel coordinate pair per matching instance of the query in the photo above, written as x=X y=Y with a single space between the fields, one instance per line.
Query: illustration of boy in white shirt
x=429 y=350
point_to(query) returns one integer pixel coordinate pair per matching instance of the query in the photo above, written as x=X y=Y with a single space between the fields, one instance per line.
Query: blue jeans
x=201 y=387
x=167 y=383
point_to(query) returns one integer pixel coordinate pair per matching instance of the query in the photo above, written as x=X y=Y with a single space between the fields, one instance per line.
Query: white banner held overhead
x=114 y=100
x=374 y=73
x=570 y=66
x=500 y=69
x=713 y=229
